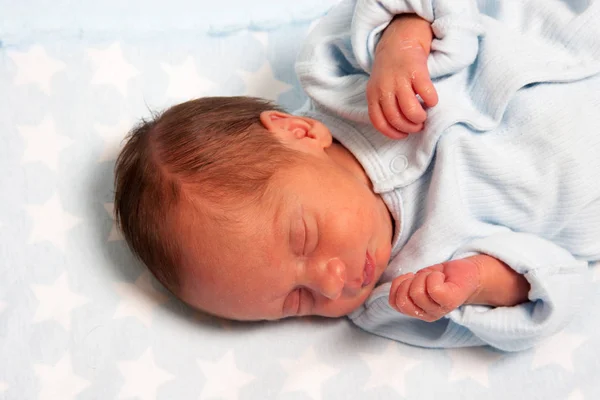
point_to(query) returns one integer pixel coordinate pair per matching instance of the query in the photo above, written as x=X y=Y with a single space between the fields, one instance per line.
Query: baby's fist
x=433 y=292
x=397 y=78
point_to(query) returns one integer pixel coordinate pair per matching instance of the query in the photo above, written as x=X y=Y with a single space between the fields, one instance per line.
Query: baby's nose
x=333 y=279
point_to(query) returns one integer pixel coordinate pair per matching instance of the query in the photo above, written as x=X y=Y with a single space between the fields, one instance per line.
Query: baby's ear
x=289 y=127
x=282 y=123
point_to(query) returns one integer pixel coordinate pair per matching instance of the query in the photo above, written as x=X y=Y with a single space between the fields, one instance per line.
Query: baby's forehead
x=236 y=239
x=237 y=234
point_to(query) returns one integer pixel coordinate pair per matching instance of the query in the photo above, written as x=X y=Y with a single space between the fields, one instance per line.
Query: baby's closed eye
x=298 y=236
x=298 y=302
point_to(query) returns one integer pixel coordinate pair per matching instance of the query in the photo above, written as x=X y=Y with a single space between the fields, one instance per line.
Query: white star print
x=184 y=81
x=139 y=299
x=223 y=378
x=142 y=377
x=473 y=363
x=36 y=67
x=306 y=374
x=111 y=68
x=56 y=302
x=576 y=395
x=43 y=144
x=51 y=222
x=115 y=233
x=59 y=381
x=557 y=349
x=113 y=138
x=389 y=368
x=263 y=84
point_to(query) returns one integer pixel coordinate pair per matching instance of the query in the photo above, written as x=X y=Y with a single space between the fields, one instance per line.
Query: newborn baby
x=469 y=223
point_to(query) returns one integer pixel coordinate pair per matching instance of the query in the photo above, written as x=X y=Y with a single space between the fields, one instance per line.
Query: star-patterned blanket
x=80 y=318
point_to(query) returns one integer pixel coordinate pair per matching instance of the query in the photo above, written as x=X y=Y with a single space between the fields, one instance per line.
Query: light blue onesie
x=507 y=165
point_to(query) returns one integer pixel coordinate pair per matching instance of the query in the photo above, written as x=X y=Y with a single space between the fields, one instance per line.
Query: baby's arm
x=435 y=291
x=399 y=74
x=455 y=26
x=337 y=60
x=559 y=284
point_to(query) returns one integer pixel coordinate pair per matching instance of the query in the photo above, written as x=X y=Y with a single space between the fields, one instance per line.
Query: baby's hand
x=433 y=292
x=398 y=75
x=397 y=78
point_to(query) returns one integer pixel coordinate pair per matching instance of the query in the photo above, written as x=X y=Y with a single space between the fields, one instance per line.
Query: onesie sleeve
x=559 y=285
x=559 y=282
x=455 y=24
x=335 y=61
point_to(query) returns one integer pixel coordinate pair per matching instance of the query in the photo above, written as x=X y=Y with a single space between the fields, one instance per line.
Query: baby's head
x=249 y=213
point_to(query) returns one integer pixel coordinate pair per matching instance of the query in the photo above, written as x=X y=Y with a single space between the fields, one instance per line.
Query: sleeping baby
x=439 y=188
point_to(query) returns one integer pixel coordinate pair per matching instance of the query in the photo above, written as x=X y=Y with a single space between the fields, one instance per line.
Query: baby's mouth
x=368 y=271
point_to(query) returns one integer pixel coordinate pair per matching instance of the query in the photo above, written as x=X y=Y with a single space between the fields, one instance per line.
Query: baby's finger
x=423 y=86
x=436 y=267
x=404 y=304
x=391 y=109
x=443 y=293
x=420 y=297
x=412 y=110
x=396 y=284
x=380 y=122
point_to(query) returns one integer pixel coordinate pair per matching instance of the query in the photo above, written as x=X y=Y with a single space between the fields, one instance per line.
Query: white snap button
x=399 y=164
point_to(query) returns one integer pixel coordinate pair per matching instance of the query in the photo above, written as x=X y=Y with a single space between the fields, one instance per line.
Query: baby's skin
x=398 y=75
x=321 y=240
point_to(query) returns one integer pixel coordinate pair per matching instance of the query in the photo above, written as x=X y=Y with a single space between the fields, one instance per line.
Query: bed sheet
x=80 y=318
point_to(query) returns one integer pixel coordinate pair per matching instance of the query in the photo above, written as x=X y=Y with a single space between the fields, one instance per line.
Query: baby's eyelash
x=304 y=237
x=299 y=301
x=305 y=300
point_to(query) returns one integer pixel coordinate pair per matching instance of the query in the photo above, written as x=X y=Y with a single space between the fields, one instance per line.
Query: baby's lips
x=368 y=270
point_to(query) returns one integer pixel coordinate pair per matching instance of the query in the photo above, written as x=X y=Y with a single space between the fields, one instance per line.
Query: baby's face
x=317 y=246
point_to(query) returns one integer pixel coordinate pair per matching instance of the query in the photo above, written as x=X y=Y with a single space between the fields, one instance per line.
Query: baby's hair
x=195 y=157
